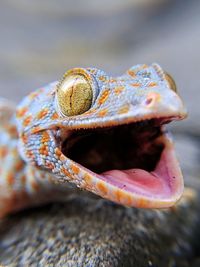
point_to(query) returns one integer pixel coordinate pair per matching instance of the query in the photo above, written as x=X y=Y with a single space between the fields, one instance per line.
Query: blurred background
x=40 y=40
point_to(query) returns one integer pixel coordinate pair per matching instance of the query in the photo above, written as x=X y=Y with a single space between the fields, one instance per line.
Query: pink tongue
x=138 y=181
x=164 y=182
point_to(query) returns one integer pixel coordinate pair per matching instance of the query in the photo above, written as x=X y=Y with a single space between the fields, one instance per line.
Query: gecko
x=101 y=133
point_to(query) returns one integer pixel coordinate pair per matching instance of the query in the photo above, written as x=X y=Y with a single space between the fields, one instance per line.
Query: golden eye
x=171 y=82
x=74 y=94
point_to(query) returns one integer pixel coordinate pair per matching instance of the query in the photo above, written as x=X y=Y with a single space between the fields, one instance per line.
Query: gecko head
x=107 y=135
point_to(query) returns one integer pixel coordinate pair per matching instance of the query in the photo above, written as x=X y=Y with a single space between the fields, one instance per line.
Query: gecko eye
x=171 y=82
x=74 y=94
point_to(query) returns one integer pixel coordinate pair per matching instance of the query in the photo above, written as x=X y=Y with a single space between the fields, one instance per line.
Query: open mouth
x=138 y=158
x=121 y=147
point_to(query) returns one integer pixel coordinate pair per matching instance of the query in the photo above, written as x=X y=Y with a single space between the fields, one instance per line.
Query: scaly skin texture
x=34 y=169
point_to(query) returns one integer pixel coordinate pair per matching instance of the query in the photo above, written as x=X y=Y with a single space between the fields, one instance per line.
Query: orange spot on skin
x=43 y=150
x=103 y=97
x=3 y=152
x=57 y=152
x=144 y=66
x=14 y=152
x=45 y=137
x=54 y=116
x=46 y=153
x=152 y=84
x=49 y=165
x=19 y=166
x=127 y=200
x=10 y=179
x=30 y=154
x=27 y=120
x=119 y=89
x=102 y=113
x=142 y=203
x=136 y=84
x=131 y=73
x=35 y=185
x=75 y=169
x=12 y=130
x=23 y=179
x=118 y=195
x=21 y=112
x=24 y=138
x=123 y=198
x=34 y=94
x=102 y=78
x=36 y=129
x=62 y=157
x=112 y=80
x=65 y=172
x=88 y=178
x=102 y=187
x=123 y=109
x=42 y=113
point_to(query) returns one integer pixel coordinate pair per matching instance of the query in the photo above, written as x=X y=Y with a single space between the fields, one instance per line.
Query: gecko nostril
x=148 y=101
x=152 y=98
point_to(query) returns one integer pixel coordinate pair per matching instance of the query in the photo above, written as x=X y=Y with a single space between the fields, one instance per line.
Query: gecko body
x=102 y=133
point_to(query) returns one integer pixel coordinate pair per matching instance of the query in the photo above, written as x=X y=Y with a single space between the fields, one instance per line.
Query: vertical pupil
x=74 y=95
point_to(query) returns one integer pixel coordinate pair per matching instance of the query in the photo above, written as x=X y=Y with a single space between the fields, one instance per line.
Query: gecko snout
x=167 y=104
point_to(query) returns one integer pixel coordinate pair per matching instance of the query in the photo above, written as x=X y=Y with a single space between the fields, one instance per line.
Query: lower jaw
x=162 y=182
x=160 y=188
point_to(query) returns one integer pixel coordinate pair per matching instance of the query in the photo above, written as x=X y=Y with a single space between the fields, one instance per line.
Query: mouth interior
x=135 y=157
x=117 y=148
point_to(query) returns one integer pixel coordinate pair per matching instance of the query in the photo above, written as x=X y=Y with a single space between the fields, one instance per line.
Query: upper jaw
x=168 y=108
x=92 y=122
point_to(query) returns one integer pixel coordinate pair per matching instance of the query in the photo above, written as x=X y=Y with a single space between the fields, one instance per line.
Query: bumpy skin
x=32 y=164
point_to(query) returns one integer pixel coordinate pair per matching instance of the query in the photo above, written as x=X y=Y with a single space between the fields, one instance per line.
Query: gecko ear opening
x=74 y=93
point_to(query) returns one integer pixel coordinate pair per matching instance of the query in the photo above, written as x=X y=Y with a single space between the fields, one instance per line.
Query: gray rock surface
x=93 y=232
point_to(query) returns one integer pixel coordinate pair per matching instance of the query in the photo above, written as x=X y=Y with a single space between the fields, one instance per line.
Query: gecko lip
x=137 y=158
